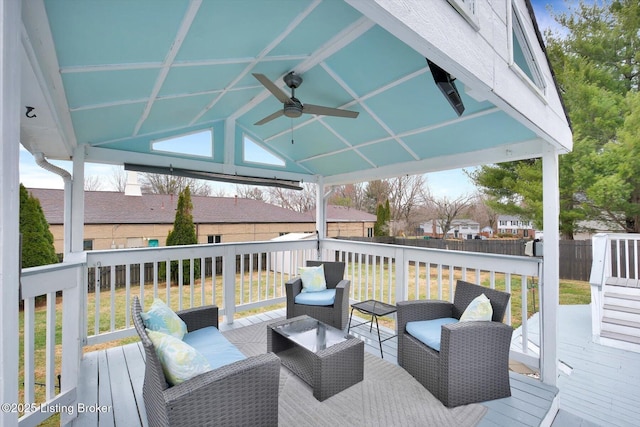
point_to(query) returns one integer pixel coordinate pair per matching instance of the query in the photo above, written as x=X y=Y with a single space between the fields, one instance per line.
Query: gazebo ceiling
x=114 y=76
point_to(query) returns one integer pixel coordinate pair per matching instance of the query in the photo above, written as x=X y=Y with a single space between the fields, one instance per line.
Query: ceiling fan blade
x=271 y=87
x=328 y=111
x=269 y=118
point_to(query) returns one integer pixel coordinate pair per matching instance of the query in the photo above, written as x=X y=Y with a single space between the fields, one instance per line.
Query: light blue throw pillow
x=312 y=278
x=478 y=310
x=179 y=360
x=161 y=318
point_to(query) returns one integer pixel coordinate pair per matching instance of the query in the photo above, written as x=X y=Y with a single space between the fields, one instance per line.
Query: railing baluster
x=112 y=297
x=127 y=295
x=29 y=350
x=50 y=358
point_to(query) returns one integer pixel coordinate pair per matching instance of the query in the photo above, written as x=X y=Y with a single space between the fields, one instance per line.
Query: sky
x=451 y=184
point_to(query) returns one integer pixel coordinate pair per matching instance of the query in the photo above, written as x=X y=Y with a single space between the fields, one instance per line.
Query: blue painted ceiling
x=137 y=71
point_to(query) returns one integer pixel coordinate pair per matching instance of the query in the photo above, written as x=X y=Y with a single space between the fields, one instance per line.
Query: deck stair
x=621 y=311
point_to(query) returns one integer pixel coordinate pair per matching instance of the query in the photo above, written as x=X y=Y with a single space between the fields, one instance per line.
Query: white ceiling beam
x=355 y=101
x=506 y=153
x=409 y=133
x=375 y=117
x=37 y=41
x=187 y=21
x=335 y=44
x=274 y=43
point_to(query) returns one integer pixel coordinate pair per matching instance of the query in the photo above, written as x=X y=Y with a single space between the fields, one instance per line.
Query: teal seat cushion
x=324 y=298
x=429 y=331
x=213 y=346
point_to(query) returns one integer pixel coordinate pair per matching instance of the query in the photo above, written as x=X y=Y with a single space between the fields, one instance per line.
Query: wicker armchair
x=336 y=315
x=473 y=362
x=239 y=394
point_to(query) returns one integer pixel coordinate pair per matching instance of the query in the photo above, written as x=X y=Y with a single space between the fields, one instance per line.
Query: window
x=521 y=53
x=214 y=238
x=255 y=153
x=199 y=143
x=525 y=233
x=503 y=223
x=369 y=231
x=87 y=245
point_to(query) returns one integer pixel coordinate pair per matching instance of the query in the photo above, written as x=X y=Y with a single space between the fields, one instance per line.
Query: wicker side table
x=322 y=356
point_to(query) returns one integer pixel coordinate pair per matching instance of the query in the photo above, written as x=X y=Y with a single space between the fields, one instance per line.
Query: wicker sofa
x=336 y=315
x=238 y=394
x=473 y=362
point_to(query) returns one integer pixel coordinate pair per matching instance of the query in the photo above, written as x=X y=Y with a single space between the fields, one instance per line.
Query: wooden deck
x=113 y=378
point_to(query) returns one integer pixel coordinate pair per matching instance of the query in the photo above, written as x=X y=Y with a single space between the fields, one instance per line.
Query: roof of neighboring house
x=106 y=207
x=344 y=214
x=511 y=218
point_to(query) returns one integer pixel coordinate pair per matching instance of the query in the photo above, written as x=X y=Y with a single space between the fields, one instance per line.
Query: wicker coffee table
x=326 y=358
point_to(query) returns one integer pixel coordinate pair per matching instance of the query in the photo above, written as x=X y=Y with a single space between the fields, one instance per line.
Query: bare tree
x=350 y=195
x=406 y=194
x=92 y=183
x=481 y=211
x=296 y=200
x=118 y=178
x=446 y=210
x=376 y=193
x=218 y=191
x=249 y=192
x=169 y=184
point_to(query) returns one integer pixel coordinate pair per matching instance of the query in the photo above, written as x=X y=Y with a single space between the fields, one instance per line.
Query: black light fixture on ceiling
x=447 y=86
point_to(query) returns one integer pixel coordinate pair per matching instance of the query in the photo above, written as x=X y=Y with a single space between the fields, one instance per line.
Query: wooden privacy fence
x=575 y=255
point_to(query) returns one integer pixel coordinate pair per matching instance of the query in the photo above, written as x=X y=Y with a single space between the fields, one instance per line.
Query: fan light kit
x=292 y=107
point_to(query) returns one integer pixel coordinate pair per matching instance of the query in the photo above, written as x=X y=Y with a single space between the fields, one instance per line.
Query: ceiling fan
x=292 y=106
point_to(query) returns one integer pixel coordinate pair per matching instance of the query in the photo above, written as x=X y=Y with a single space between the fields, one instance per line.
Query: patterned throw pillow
x=479 y=309
x=179 y=360
x=312 y=278
x=161 y=318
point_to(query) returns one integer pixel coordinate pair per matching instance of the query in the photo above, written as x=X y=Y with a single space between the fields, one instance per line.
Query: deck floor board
x=118 y=374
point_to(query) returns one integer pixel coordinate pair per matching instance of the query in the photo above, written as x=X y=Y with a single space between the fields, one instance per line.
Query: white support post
x=321 y=213
x=10 y=109
x=77 y=201
x=551 y=271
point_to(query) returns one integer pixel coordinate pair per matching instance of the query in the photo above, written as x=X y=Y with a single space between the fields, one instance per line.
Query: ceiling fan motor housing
x=292 y=80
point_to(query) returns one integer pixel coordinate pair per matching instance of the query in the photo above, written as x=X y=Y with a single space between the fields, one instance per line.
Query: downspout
x=66 y=177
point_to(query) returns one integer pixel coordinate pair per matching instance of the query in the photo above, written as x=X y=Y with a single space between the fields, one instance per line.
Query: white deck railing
x=60 y=285
x=615 y=259
x=240 y=277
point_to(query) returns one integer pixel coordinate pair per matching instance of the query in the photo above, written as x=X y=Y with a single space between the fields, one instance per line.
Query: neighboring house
x=114 y=220
x=460 y=229
x=343 y=221
x=586 y=229
x=487 y=231
x=509 y=224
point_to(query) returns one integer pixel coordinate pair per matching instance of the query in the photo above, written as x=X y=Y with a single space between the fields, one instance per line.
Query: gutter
x=68 y=184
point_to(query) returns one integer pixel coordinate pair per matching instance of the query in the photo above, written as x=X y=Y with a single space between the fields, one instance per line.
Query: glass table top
x=312 y=334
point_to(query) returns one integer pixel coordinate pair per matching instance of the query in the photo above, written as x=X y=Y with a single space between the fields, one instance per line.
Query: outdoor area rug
x=388 y=395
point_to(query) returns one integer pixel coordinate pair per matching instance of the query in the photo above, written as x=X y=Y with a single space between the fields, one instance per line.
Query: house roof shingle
x=107 y=207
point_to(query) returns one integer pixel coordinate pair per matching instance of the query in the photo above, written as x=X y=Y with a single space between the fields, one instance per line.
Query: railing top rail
x=50 y=268
x=620 y=236
x=200 y=250
x=515 y=263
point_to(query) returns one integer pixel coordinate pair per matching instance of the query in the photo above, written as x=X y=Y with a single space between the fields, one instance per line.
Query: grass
x=252 y=287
